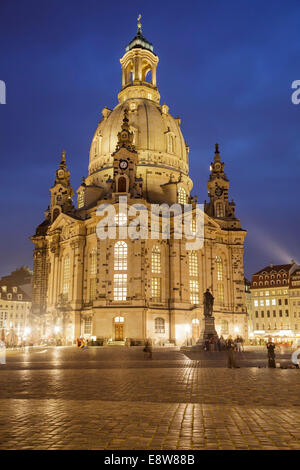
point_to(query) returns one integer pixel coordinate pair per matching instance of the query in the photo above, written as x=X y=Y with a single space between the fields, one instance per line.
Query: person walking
x=238 y=344
x=271 y=353
x=230 y=348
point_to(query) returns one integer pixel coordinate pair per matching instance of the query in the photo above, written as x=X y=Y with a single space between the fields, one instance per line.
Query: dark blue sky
x=226 y=69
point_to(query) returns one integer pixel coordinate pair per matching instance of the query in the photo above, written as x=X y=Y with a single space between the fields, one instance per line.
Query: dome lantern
x=139 y=65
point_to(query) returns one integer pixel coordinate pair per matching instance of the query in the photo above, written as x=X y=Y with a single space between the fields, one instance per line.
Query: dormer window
x=20 y=296
x=4 y=288
x=15 y=289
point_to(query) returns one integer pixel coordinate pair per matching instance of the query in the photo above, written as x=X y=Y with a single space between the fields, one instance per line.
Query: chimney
x=271 y=265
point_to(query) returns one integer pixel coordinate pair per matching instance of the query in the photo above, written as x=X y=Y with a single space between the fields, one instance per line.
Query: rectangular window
x=193 y=264
x=194 y=292
x=156 y=262
x=261 y=303
x=93 y=291
x=66 y=275
x=273 y=301
x=221 y=294
x=255 y=303
x=156 y=288
x=267 y=302
x=120 y=286
x=87 y=326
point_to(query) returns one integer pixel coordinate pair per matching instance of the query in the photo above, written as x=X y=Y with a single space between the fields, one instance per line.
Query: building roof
x=8 y=288
x=139 y=41
x=277 y=268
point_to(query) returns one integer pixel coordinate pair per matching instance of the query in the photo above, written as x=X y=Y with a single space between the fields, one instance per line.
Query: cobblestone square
x=112 y=398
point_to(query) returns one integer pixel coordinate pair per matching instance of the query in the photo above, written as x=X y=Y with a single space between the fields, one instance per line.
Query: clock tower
x=124 y=164
x=61 y=191
x=219 y=206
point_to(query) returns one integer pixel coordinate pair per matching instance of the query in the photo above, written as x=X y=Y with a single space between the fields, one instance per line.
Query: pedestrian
x=148 y=350
x=230 y=348
x=222 y=343
x=271 y=353
x=206 y=344
x=238 y=344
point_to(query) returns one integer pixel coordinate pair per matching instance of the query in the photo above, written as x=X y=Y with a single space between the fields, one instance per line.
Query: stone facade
x=116 y=289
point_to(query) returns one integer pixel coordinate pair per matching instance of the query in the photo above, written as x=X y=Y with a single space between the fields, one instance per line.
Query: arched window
x=219 y=264
x=219 y=209
x=193 y=263
x=66 y=275
x=93 y=261
x=159 y=325
x=156 y=260
x=181 y=196
x=122 y=184
x=120 y=259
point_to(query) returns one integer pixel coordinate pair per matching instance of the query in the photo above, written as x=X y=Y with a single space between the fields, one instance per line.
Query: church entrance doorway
x=119 y=328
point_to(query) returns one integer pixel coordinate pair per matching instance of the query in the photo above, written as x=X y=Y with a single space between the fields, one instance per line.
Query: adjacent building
x=15 y=306
x=275 y=302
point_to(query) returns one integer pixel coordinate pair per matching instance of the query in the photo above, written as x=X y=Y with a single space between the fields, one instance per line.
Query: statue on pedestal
x=208 y=303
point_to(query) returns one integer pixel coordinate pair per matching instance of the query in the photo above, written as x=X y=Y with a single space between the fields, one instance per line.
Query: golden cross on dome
x=139 y=23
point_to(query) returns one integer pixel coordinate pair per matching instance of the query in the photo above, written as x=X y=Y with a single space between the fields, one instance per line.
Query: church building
x=130 y=289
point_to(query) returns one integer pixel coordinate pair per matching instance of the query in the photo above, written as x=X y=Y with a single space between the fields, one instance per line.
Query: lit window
x=119 y=320
x=262 y=303
x=121 y=219
x=221 y=293
x=87 y=326
x=156 y=260
x=273 y=301
x=219 y=268
x=159 y=325
x=93 y=265
x=194 y=292
x=255 y=303
x=156 y=288
x=267 y=302
x=193 y=263
x=93 y=281
x=181 y=196
x=120 y=261
x=120 y=286
x=66 y=275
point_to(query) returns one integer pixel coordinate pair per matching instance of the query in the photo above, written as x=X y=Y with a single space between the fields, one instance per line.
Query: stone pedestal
x=209 y=328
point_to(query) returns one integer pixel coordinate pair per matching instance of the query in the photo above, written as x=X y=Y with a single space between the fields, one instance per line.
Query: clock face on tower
x=123 y=164
x=219 y=191
x=61 y=173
